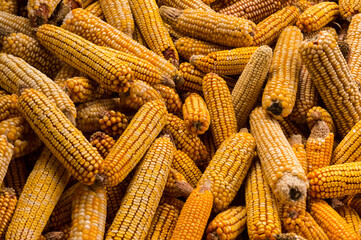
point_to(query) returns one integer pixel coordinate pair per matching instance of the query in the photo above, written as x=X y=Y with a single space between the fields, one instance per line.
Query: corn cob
x=65 y=72
x=304 y=4
x=318 y=16
x=285 y=175
x=12 y=23
x=88 y=212
x=351 y=217
x=270 y=28
x=195 y=114
x=7 y=207
x=8 y=106
x=102 y=142
x=52 y=236
x=220 y=106
x=344 y=48
x=9 y=6
x=96 y=10
x=63 y=8
x=287 y=236
x=170 y=97
x=331 y=222
x=134 y=142
x=16 y=175
x=250 y=83
x=144 y=192
x=330 y=30
x=39 y=11
x=279 y=95
x=354 y=202
x=6 y=154
x=217 y=5
x=163 y=223
x=118 y=14
x=228 y=224
x=16 y=74
x=173 y=33
x=355 y=44
x=113 y=123
x=177 y=185
x=137 y=36
x=228 y=168
x=90 y=112
x=3 y=93
x=182 y=4
x=330 y=73
x=316 y=114
x=187 y=47
x=66 y=231
x=262 y=215
x=41 y=192
x=185 y=165
x=83 y=161
x=193 y=218
x=193 y=78
x=299 y=149
x=208 y=141
x=306 y=98
x=184 y=141
x=228 y=62
x=349 y=8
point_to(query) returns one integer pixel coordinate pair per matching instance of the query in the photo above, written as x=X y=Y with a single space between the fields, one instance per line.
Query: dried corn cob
x=178 y=204
x=220 y=106
x=351 y=216
x=354 y=42
x=113 y=123
x=3 y=93
x=177 y=185
x=137 y=36
x=228 y=168
x=299 y=149
x=193 y=78
x=173 y=33
x=210 y=26
x=16 y=175
x=144 y=192
x=9 y=6
x=41 y=192
x=6 y=154
x=68 y=143
x=285 y=175
x=316 y=114
x=318 y=16
x=228 y=62
x=184 y=141
x=279 y=95
x=182 y=4
x=12 y=23
x=170 y=97
x=269 y=29
x=287 y=236
x=185 y=165
x=217 y=5
x=262 y=215
x=39 y=11
x=250 y=83
x=65 y=72
x=195 y=114
x=134 y=142
x=208 y=141
x=304 y=4
x=102 y=142
x=354 y=202
x=349 y=8
x=330 y=73
x=8 y=106
x=344 y=48
x=96 y=10
x=193 y=218
x=118 y=14
x=330 y=30
x=7 y=207
x=64 y=7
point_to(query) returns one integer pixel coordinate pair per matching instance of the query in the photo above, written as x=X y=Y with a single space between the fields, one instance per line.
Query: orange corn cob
x=102 y=142
x=12 y=23
x=185 y=165
x=113 y=123
x=193 y=78
x=183 y=4
x=39 y=11
x=316 y=114
x=350 y=215
x=354 y=42
x=195 y=114
x=7 y=207
x=16 y=175
x=9 y=107
x=299 y=149
x=6 y=154
x=177 y=185
x=349 y=8
x=96 y=10
x=170 y=97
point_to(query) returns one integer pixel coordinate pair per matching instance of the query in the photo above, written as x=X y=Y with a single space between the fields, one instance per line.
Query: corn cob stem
x=170 y=97
x=177 y=185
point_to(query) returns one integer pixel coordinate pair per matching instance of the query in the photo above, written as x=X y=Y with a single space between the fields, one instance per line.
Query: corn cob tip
x=169 y=14
x=39 y=17
x=184 y=187
x=320 y=130
x=335 y=203
x=11 y=192
x=275 y=108
x=167 y=82
x=287 y=236
x=171 y=56
x=295 y=139
x=290 y=188
x=244 y=130
x=54 y=235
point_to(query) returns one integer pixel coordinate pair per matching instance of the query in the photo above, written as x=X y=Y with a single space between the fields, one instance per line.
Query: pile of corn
x=180 y=119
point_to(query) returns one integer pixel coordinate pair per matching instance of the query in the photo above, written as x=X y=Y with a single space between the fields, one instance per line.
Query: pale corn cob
x=350 y=215
x=354 y=42
x=39 y=11
x=8 y=202
x=285 y=175
x=195 y=114
x=316 y=114
x=102 y=142
x=250 y=83
x=270 y=28
x=177 y=185
x=279 y=95
x=65 y=72
x=349 y=8
x=6 y=154
x=262 y=215
x=185 y=165
x=170 y=97
x=41 y=192
x=9 y=6
x=331 y=75
x=113 y=123
x=12 y=23
x=118 y=14
x=220 y=107
x=304 y=4
x=184 y=4
x=134 y=142
x=144 y=193
x=17 y=74
x=228 y=168
x=16 y=175
x=9 y=106
x=96 y=10
x=299 y=149
x=210 y=26
x=193 y=78
x=62 y=138
x=330 y=30
x=227 y=62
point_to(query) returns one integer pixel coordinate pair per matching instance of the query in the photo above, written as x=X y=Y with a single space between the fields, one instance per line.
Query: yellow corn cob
x=344 y=48
x=113 y=123
x=250 y=83
x=208 y=141
x=228 y=224
x=41 y=192
x=319 y=146
x=316 y=114
x=193 y=218
x=6 y=154
x=137 y=36
x=134 y=142
x=330 y=73
x=96 y=10
x=173 y=33
x=330 y=30
x=195 y=114
x=182 y=4
x=16 y=175
x=16 y=74
x=8 y=106
x=279 y=95
x=187 y=47
x=90 y=112
x=177 y=185
x=185 y=165
x=210 y=26
x=228 y=62
x=217 y=5
x=12 y=23
x=88 y=212
x=7 y=207
x=184 y=141
x=65 y=72
x=354 y=202
x=193 y=78
x=220 y=106
x=351 y=217
x=331 y=222
x=269 y=29
x=144 y=192
x=3 y=93
x=354 y=42
x=318 y=16
x=285 y=175
x=170 y=97
x=349 y=8
x=306 y=98
x=63 y=139
x=287 y=236
x=178 y=204
x=9 y=6
x=82 y=23
x=304 y=4
x=262 y=215
x=39 y=11
x=299 y=149
x=163 y=223
x=228 y=168
x=118 y=14
x=102 y=142
x=63 y=8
